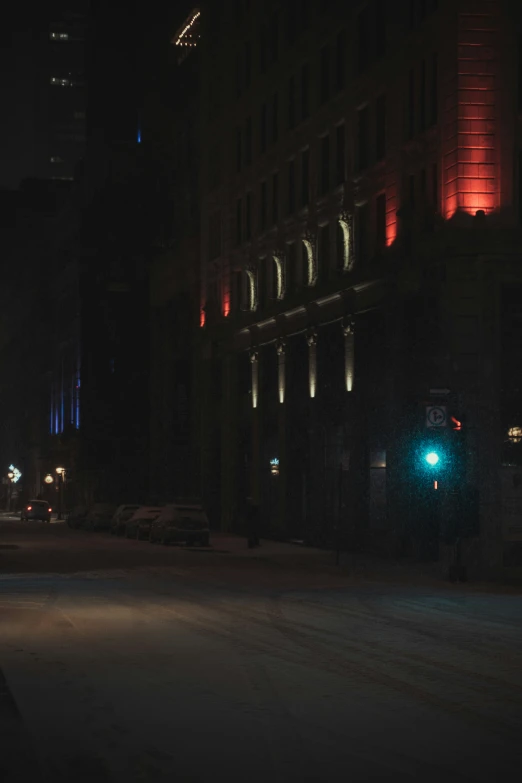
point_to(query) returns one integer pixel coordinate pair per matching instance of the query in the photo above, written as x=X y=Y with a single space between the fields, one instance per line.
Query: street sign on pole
x=436 y=416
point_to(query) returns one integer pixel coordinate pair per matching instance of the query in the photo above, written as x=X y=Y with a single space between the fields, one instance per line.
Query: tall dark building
x=61 y=90
x=42 y=62
x=172 y=126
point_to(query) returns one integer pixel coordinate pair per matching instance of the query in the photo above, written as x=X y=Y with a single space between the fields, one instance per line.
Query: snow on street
x=150 y=668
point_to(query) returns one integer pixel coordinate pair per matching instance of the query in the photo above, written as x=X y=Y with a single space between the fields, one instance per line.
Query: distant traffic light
x=432 y=458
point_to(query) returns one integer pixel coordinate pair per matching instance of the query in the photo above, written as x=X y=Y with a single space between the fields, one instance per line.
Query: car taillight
x=49 y=510
x=29 y=508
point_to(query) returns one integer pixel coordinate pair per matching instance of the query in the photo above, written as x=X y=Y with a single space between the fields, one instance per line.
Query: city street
x=125 y=661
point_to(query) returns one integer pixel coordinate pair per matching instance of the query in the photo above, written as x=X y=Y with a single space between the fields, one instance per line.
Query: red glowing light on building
x=469 y=159
x=226 y=303
x=391 y=214
x=457 y=425
x=202 y=318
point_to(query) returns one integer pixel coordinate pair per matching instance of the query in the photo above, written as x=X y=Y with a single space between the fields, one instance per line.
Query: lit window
x=59 y=36
x=515 y=434
x=61 y=82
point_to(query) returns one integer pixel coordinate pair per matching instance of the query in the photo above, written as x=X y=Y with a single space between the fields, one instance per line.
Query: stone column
x=256 y=439
x=283 y=468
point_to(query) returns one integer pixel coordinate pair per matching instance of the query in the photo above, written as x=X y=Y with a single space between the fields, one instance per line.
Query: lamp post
x=61 y=479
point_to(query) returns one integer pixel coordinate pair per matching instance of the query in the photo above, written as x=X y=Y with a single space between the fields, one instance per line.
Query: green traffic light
x=432 y=458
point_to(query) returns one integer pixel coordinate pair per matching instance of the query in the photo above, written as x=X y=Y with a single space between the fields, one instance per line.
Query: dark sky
x=19 y=35
x=17 y=99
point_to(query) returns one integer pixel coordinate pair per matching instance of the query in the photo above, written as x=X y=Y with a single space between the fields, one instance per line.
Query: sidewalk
x=319 y=563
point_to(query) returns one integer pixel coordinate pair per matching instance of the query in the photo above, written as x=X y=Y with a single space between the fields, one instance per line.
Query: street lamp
x=61 y=479
x=14 y=476
x=48 y=479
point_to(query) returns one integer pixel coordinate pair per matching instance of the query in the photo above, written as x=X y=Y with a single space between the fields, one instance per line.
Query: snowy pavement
x=128 y=662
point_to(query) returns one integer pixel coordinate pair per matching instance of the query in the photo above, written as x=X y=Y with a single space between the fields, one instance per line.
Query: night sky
x=17 y=134
x=19 y=37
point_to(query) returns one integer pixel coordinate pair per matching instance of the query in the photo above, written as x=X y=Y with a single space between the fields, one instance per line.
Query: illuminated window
x=57 y=81
x=279 y=277
x=251 y=292
x=59 y=36
x=515 y=434
x=310 y=261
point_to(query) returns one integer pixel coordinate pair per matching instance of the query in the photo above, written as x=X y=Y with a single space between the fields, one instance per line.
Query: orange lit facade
x=472 y=135
x=360 y=221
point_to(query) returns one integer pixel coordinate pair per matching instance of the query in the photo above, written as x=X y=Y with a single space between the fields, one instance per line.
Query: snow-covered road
x=154 y=673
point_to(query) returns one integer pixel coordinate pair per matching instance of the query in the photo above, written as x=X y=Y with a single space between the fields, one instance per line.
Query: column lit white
x=312 y=363
x=349 y=356
x=281 y=370
x=254 y=360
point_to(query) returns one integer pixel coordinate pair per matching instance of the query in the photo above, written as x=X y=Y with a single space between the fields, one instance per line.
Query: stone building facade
x=360 y=249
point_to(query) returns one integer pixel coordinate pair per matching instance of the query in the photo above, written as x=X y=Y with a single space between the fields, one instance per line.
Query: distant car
x=181 y=523
x=121 y=517
x=76 y=517
x=36 y=509
x=99 y=516
x=141 y=520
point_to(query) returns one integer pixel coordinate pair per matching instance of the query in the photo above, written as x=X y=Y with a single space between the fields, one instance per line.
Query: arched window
x=251 y=290
x=310 y=266
x=279 y=276
x=345 y=254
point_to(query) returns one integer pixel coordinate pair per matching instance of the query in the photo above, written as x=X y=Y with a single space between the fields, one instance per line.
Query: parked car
x=99 y=516
x=140 y=519
x=36 y=509
x=76 y=517
x=182 y=522
x=121 y=517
